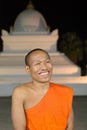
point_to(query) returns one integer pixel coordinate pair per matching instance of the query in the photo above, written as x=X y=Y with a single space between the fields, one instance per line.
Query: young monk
x=41 y=104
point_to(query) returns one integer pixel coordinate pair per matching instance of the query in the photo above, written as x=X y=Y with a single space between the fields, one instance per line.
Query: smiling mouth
x=44 y=73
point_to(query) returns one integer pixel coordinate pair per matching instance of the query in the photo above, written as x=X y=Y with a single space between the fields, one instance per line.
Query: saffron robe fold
x=52 y=112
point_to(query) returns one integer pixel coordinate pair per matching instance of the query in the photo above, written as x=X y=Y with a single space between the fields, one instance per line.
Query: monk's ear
x=27 y=68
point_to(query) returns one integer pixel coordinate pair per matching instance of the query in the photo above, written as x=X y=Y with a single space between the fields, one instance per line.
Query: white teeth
x=45 y=73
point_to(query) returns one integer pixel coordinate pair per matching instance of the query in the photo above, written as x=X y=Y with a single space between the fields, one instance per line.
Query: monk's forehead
x=38 y=53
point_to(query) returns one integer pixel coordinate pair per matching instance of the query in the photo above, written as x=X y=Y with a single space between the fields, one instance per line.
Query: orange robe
x=52 y=112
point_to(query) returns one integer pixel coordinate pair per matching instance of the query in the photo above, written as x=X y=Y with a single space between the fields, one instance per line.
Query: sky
x=66 y=15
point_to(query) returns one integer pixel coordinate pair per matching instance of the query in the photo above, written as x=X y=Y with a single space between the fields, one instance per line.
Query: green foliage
x=85 y=47
x=71 y=45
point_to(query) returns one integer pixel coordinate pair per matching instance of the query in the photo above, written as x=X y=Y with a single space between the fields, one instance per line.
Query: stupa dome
x=30 y=21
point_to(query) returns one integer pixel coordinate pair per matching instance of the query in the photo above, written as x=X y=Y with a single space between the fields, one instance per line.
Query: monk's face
x=40 y=66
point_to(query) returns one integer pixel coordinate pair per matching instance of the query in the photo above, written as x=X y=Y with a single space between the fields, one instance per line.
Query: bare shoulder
x=20 y=91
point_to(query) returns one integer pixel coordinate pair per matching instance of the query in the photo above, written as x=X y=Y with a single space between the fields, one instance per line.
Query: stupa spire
x=30 y=5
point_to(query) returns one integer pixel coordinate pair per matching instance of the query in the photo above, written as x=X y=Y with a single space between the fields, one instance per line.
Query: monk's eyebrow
x=36 y=61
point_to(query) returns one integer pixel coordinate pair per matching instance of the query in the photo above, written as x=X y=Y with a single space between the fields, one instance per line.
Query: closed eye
x=48 y=61
x=38 y=63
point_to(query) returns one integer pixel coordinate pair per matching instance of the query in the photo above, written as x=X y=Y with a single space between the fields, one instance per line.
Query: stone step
x=55 y=78
x=58 y=70
x=78 y=83
x=62 y=65
x=8 y=59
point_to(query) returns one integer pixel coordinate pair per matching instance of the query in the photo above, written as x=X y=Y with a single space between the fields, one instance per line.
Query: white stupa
x=31 y=31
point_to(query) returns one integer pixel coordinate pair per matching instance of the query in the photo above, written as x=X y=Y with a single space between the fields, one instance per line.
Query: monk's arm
x=70 y=124
x=17 y=111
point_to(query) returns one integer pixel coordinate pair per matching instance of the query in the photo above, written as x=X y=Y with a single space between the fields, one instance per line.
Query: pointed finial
x=30 y=5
